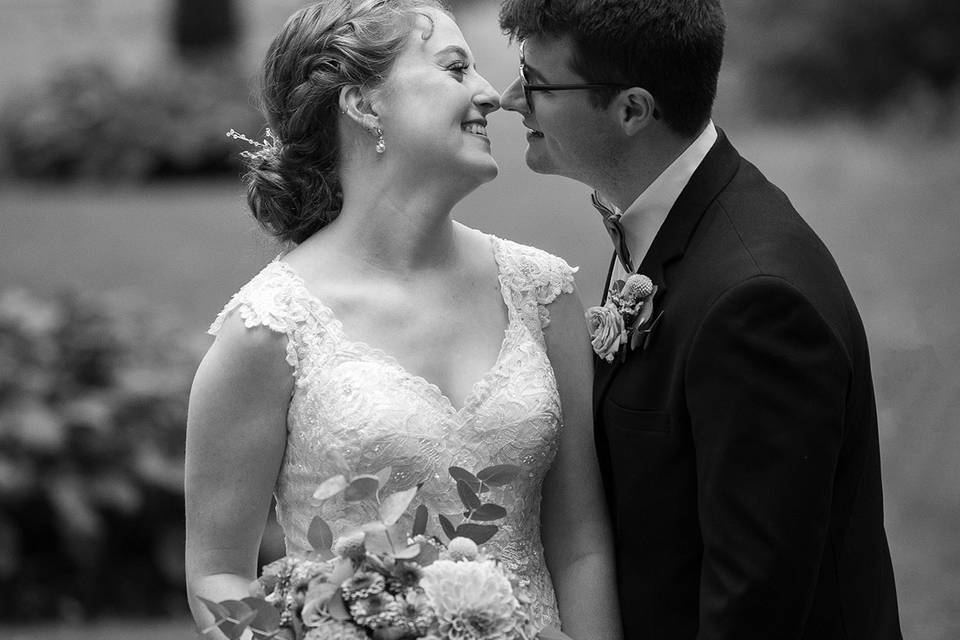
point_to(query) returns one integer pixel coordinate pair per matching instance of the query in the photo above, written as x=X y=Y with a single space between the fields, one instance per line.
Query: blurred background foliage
x=88 y=123
x=93 y=395
x=818 y=57
x=114 y=263
x=811 y=59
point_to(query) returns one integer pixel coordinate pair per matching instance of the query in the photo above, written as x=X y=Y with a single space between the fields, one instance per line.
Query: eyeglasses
x=529 y=87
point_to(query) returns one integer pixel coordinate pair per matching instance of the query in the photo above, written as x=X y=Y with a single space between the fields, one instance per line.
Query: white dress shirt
x=645 y=216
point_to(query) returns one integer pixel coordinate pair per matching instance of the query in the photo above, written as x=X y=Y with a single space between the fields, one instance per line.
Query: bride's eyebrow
x=455 y=49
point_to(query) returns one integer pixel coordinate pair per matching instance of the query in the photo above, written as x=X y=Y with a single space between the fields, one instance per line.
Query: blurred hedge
x=93 y=397
x=87 y=123
x=862 y=56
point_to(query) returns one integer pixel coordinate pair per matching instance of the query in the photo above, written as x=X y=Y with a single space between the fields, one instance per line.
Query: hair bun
x=291 y=197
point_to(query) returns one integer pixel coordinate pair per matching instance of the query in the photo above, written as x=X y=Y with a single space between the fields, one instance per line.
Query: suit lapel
x=673 y=237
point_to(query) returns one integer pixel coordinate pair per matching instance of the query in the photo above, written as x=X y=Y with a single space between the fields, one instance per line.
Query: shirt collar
x=644 y=217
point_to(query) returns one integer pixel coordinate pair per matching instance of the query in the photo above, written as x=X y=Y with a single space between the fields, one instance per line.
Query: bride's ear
x=356 y=106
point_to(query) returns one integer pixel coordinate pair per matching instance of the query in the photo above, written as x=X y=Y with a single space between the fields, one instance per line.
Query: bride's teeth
x=478 y=129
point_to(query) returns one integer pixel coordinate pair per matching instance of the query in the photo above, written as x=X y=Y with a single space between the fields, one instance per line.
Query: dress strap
x=276 y=299
x=533 y=278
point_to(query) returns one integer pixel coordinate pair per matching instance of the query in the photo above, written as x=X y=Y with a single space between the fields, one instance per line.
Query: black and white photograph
x=479 y=320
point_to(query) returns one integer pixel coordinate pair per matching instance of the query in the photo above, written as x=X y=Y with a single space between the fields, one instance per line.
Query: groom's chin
x=537 y=163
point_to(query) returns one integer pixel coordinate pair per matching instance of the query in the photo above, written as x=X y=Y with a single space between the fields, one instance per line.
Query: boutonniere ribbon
x=626 y=320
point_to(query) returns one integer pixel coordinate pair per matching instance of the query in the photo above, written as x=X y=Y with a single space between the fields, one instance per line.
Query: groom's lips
x=533 y=133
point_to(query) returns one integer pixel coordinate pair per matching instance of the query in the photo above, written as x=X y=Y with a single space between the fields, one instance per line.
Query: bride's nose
x=486 y=97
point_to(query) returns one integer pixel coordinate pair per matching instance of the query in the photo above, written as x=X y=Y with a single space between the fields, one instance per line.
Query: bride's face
x=434 y=104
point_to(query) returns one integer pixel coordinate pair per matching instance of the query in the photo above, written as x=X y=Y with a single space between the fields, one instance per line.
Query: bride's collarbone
x=450 y=337
x=422 y=323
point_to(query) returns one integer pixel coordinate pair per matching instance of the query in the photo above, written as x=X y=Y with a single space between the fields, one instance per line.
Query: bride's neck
x=394 y=232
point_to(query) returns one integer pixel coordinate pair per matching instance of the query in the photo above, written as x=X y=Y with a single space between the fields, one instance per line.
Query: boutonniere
x=626 y=320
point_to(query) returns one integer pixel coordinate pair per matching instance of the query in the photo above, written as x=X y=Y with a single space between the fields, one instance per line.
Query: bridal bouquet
x=375 y=583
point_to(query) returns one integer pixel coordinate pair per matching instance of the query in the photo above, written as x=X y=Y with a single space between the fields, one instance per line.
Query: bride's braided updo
x=293 y=187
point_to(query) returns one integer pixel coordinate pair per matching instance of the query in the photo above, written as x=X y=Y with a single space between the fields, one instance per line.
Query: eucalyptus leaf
x=344 y=569
x=378 y=541
x=218 y=610
x=479 y=533
x=267 y=619
x=384 y=475
x=419 y=521
x=329 y=488
x=361 y=488
x=409 y=553
x=499 y=475
x=238 y=609
x=319 y=535
x=336 y=608
x=394 y=505
x=468 y=496
x=448 y=529
x=487 y=512
x=428 y=555
x=231 y=630
x=458 y=473
x=325 y=554
x=239 y=616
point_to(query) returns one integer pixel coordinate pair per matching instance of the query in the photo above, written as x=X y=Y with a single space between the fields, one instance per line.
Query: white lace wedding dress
x=356 y=410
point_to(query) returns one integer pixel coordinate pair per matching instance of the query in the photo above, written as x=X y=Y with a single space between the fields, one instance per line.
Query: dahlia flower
x=472 y=600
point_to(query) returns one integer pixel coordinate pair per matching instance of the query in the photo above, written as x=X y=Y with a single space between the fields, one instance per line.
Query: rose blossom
x=606 y=330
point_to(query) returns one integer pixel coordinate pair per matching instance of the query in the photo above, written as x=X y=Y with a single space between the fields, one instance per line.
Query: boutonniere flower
x=626 y=320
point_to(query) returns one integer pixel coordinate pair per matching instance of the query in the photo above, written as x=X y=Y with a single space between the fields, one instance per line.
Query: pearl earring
x=381 y=145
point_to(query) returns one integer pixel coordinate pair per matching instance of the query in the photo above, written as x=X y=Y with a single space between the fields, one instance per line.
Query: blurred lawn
x=885 y=204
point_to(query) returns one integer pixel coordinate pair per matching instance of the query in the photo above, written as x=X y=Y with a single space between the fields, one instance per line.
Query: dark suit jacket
x=739 y=448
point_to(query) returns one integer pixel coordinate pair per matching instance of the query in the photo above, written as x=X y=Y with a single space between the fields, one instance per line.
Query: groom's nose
x=512 y=98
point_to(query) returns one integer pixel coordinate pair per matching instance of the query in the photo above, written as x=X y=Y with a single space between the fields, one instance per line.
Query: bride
x=390 y=335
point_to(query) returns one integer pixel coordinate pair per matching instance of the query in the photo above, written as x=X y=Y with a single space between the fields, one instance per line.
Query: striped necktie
x=611 y=221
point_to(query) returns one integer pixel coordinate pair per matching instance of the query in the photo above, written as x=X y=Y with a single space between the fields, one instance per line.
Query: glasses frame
x=529 y=88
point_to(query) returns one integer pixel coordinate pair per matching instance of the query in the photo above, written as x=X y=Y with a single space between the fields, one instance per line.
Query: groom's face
x=567 y=135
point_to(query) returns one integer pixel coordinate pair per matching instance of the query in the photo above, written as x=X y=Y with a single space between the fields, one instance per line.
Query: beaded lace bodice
x=356 y=410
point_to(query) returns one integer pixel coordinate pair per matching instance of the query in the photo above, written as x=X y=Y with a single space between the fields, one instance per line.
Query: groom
x=738 y=436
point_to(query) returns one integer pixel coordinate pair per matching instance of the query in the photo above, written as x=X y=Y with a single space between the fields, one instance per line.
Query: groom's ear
x=634 y=109
x=356 y=105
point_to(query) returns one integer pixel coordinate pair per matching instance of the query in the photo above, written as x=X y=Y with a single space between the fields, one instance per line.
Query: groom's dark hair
x=671 y=48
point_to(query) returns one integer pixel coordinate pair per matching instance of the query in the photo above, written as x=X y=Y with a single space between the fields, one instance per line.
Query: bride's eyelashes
x=458 y=69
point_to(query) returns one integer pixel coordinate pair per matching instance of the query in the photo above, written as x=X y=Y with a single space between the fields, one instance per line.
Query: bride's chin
x=489 y=169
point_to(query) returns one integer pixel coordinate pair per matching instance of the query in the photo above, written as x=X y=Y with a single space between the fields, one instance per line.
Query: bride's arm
x=576 y=531
x=236 y=434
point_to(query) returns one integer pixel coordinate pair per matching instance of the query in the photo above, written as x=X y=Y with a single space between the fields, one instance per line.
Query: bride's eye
x=458 y=69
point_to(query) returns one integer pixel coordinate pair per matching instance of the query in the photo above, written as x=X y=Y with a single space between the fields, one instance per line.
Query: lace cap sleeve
x=535 y=276
x=269 y=300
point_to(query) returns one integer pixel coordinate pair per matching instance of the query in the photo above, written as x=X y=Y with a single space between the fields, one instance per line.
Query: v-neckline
x=475 y=395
